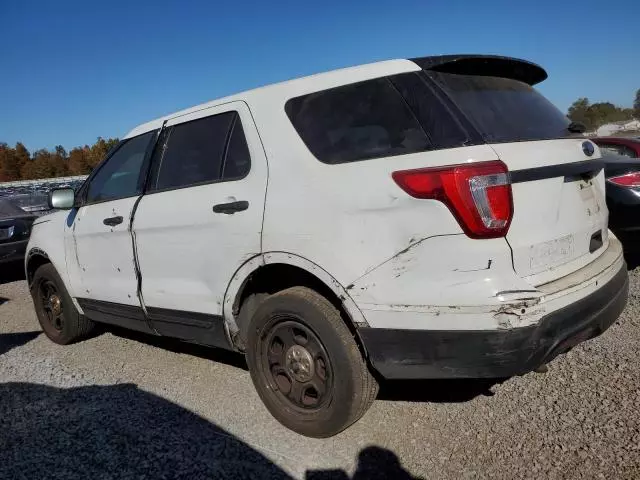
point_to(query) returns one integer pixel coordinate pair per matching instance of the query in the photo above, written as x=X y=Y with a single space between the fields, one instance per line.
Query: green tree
x=40 y=167
x=9 y=164
x=579 y=112
x=636 y=105
x=79 y=161
x=98 y=151
x=22 y=154
x=59 y=163
x=17 y=163
x=597 y=114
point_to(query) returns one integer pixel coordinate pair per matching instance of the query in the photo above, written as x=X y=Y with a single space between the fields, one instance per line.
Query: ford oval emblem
x=588 y=148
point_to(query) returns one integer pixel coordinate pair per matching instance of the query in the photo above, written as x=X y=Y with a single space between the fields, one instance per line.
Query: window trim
x=153 y=171
x=83 y=191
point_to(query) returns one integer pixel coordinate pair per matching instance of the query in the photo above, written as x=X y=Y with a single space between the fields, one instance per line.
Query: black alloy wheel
x=296 y=364
x=57 y=314
x=305 y=363
x=51 y=304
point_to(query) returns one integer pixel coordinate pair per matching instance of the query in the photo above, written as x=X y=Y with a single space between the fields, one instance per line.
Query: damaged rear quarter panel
x=438 y=274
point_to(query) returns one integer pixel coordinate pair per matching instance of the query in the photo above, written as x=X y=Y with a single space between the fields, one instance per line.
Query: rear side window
x=206 y=150
x=502 y=109
x=356 y=122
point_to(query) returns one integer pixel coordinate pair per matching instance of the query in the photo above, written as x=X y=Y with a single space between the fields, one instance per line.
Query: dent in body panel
x=439 y=275
x=408 y=258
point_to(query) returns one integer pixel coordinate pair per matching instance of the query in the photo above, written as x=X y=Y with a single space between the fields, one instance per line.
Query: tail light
x=478 y=194
x=627 y=180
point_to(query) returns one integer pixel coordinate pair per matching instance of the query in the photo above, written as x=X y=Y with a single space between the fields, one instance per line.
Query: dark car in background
x=622 y=171
x=17 y=214
x=20 y=204
x=625 y=146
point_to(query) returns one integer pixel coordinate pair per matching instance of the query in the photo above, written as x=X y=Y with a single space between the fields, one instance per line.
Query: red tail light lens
x=478 y=194
x=628 y=180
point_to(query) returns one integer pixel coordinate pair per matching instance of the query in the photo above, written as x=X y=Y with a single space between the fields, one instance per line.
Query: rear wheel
x=58 y=316
x=306 y=365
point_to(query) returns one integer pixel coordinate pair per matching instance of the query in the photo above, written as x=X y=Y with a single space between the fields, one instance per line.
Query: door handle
x=231 y=207
x=112 y=221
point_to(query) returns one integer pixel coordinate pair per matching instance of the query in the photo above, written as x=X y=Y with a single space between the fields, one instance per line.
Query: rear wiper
x=576 y=127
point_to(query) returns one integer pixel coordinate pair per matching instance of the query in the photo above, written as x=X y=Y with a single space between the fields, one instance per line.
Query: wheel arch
x=237 y=288
x=35 y=259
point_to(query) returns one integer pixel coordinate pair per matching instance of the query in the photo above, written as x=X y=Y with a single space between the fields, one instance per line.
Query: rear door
x=200 y=218
x=560 y=216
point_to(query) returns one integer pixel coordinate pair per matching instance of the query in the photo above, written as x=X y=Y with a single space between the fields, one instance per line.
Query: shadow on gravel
x=438 y=391
x=632 y=258
x=221 y=355
x=122 y=432
x=12 y=272
x=13 y=340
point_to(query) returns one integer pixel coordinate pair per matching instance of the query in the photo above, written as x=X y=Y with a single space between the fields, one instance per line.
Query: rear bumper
x=413 y=354
x=13 y=252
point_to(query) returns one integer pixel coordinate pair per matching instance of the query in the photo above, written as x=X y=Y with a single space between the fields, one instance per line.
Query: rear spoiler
x=484 y=65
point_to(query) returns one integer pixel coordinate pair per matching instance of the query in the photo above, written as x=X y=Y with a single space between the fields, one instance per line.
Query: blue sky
x=75 y=70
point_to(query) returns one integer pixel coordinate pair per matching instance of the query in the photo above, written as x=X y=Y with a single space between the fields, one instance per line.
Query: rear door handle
x=112 y=221
x=231 y=207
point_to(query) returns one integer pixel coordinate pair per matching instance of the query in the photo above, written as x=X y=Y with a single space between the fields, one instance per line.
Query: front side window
x=201 y=151
x=120 y=175
x=356 y=122
x=502 y=109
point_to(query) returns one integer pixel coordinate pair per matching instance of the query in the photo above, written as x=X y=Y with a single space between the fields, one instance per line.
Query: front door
x=101 y=248
x=200 y=218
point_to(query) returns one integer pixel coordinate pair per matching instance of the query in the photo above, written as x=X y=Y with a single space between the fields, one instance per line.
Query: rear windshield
x=504 y=110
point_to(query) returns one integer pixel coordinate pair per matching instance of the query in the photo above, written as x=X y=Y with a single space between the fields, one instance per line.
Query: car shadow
x=120 y=431
x=9 y=341
x=632 y=258
x=221 y=355
x=436 y=391
x=11 y=272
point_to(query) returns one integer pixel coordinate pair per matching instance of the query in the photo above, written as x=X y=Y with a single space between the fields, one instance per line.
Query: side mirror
x=62 y=198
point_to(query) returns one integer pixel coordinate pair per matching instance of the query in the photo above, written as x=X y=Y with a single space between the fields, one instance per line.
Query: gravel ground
x=124 y=405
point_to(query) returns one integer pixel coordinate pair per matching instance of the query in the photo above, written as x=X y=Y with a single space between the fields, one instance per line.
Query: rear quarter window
x=356 y=122
x=503 y=109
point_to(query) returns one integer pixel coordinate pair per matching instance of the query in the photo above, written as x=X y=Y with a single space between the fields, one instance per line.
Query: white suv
x=426 y=218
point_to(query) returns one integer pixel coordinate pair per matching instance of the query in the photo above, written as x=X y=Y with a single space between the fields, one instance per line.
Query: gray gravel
x=130 y=406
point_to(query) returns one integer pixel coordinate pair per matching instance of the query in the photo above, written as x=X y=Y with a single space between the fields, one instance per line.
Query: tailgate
x=559 y=210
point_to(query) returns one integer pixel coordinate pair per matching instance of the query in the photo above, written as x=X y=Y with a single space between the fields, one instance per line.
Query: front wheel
x=58 y=316
x=306 y=365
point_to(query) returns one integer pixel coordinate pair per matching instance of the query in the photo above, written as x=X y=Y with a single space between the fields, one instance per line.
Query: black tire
x=58 y=316
x=340 y=388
